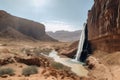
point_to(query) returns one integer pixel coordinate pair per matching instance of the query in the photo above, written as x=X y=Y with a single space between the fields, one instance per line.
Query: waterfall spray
x=81 y=44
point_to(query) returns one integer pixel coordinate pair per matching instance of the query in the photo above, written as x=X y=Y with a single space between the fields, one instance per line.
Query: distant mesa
x=20 y=28
x=65 y=36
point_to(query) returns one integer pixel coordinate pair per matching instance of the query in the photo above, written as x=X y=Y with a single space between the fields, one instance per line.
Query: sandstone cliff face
x=70 y=51
x=26 y=27
x=104 y=25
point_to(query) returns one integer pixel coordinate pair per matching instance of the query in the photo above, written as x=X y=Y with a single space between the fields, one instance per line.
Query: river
x=75 y=66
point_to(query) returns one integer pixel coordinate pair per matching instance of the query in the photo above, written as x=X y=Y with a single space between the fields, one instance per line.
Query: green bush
x=29 y=70
x=8 y=71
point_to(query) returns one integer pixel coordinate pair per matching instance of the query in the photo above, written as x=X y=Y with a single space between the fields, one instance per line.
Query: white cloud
x=58 y=25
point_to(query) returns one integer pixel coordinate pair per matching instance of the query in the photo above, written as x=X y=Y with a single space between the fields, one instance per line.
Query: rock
x=97 y=70
x=104 y=25
x=6 y=60
x=62 y=74
x=65 y=36
x=92 y=62
x=84 y=78
x=5 y=76
x=16 y=27
x=70 y=51
x=104 y=35
x=33 y=61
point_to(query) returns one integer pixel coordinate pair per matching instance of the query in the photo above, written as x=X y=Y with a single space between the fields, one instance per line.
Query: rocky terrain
x=23 y=61
x=104 y=25
x=19 y=28
x=69 y=50
x=104 y=35
x=65 y=36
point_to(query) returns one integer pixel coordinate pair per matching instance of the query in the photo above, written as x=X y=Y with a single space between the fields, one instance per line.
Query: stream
x=75 y=66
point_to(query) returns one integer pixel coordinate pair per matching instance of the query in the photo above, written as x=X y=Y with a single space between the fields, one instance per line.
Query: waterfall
x=81 y=44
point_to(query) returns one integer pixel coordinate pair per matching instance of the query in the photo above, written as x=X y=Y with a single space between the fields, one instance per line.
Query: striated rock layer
x=104 y=25
x=22 y=26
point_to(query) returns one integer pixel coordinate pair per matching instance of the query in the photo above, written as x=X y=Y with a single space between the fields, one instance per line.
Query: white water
x=80 y=45
x=75 y=66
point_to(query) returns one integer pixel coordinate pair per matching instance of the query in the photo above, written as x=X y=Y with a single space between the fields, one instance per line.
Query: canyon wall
x=104 y=25
x=65 y=36
x=22 y=26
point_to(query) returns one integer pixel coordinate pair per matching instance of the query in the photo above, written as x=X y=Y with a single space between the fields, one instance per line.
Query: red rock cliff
x=104 y=25
x=23 y=27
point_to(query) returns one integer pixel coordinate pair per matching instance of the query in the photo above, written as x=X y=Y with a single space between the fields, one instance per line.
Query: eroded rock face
x=23 y=26
x=28 y=61
x=97 y=70
x=104 y=25
x=65 y=36
x=5 y=61
x=33 y=61
x=62 y=74
x=70 y=51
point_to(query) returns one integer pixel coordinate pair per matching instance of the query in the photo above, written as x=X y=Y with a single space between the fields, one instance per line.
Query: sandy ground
x=18 y=69
x=105 y=66
x=12 y=48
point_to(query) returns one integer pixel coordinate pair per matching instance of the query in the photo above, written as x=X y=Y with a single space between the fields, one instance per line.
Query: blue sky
x=55 y=14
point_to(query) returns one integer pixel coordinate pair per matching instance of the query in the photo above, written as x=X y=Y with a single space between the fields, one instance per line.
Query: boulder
x=70 y=51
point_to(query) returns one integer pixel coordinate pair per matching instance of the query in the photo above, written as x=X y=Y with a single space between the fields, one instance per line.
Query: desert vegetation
x=6 y=71
x=29 y=70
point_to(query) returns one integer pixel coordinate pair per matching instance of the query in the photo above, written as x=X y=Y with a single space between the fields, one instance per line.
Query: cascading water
x=81 y=44
x=74 y=64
